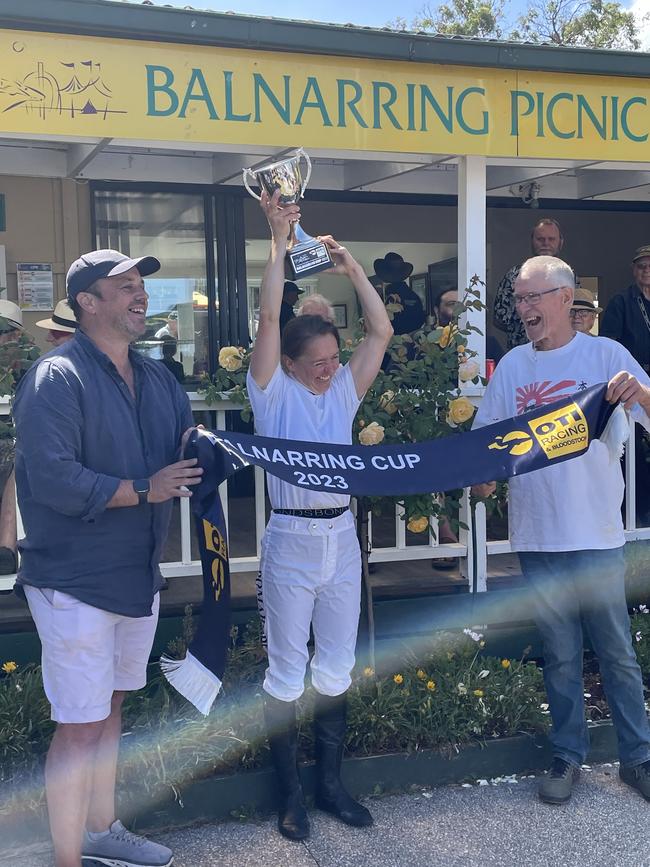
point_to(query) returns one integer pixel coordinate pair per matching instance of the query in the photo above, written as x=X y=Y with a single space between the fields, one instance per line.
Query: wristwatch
x=142 y=487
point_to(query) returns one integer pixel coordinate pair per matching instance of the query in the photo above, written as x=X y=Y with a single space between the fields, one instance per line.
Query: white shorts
x=88 y=654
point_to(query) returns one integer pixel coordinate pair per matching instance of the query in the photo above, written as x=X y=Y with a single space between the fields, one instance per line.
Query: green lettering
x=460 y=102
x=635 y=100
x=197 y=78
x=599 y=124
x=154 y=87
x=317 y=102
x=553 y=101
x=378 y=105
x=447 y=120
x=515 y=97
x=284 y=110
x=230 y=115
x=351 y=104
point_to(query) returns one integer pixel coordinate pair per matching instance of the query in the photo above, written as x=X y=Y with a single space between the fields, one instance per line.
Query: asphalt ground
x=498 y=823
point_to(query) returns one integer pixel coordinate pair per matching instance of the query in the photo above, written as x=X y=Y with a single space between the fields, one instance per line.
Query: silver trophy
x=305 y=255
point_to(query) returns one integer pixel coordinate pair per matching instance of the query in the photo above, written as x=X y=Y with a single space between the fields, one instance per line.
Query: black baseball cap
x=104 y=263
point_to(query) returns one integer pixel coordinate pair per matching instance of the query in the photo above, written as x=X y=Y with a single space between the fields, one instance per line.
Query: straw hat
x=62 y=319
x=583 y=299
x=12 y=313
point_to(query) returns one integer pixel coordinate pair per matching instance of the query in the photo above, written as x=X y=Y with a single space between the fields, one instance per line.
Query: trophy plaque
x=305 y=255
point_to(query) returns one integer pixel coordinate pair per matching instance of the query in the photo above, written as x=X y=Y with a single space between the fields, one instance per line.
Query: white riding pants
x=310 y=575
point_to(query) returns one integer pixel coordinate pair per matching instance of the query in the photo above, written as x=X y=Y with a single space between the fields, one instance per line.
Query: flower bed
x=453 y=694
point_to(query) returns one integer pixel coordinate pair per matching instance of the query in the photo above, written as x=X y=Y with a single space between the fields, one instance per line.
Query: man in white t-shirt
x=565 y=522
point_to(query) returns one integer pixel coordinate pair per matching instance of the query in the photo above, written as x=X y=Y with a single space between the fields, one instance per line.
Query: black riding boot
x=329 y=731
x=282 y=733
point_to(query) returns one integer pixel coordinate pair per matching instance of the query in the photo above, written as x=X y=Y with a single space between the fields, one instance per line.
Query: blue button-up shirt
x=79 y=431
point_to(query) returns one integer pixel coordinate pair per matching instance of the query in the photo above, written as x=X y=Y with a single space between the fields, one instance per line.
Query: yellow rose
x=368 y=672
x=505 y=663
x=468 y=370
x=372 y=434
x=9 y=667
x=230 y=358
x=446 y=335
x=478 y=693
x=417 y=525
x=431 y=685
x=386 y=402
x=459 y=410
x=398 y=679
x=420 y=674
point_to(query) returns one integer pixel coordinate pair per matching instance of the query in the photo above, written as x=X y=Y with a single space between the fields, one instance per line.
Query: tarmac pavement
x=498 y=823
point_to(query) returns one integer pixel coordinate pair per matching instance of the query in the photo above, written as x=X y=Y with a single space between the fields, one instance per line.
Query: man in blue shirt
x=99 y=431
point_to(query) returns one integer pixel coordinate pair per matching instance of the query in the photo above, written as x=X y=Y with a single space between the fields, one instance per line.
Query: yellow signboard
x=78 y=86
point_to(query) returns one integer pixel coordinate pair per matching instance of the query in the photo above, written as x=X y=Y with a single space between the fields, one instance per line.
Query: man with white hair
x=565 y=522
x=316 y=305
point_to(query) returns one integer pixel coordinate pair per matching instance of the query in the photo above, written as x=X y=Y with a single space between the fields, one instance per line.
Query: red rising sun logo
x=539 y=393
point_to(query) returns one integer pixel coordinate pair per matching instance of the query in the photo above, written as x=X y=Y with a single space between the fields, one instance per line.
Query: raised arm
x=266 y=351
x=368 y=356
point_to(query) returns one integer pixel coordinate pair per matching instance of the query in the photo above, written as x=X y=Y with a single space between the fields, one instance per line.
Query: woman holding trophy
x=311 y=563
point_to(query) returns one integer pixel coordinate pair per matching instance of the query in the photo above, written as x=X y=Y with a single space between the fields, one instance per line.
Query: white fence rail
x=473 y=568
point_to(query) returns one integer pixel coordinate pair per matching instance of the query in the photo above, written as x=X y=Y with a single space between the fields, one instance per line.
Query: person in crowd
x=565 y=522
x=99 y=429
x=11 y=321
x=316 y=305
x=311 y=563
x=444 y=303
x=627 y=320
x=584 y=311
x=290 y=295
x=393 y=271
x=15 y=346
x=61 y=325
x=546 y=240
x=170 y=328
x=169 y=347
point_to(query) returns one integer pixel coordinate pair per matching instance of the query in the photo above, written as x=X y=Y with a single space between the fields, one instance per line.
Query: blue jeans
x=568 y=589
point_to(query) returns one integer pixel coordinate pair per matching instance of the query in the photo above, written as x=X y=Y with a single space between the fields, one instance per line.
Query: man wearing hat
x=61 y=326
x=393 y=271
x=290 y=295
x=583 y=311
x=99 y=430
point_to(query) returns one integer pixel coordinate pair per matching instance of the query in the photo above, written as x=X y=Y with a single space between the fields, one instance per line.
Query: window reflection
x=171 y=227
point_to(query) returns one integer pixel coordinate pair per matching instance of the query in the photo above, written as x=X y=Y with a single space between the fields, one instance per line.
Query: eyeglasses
x=533 y=298
x=642 y=266
x=581 y=314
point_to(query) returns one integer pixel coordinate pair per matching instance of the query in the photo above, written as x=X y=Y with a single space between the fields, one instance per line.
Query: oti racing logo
x=562 y=432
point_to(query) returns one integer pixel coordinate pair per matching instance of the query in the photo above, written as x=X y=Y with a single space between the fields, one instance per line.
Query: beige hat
x=583 y=299
x=12 y=313
x=641 y=252
x=62 y=319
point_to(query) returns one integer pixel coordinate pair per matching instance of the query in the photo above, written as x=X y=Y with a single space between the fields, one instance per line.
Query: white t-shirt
x=285 y=409
x=574 y=505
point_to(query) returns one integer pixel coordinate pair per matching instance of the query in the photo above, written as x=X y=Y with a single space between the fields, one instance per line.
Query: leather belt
x=313 y=513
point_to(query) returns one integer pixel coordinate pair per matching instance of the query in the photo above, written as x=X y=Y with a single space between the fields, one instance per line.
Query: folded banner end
x=192 y=680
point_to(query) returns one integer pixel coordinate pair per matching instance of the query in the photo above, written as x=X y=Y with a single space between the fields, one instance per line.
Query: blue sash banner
x=546 y=435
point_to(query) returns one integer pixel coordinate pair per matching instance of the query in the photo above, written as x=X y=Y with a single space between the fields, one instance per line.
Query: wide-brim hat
x=104 y=263
x=584 y=300
x=392 y=268
x=62 y=319
x=11 y=313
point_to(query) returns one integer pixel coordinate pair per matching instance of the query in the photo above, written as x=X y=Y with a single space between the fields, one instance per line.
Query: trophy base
x=307 y=258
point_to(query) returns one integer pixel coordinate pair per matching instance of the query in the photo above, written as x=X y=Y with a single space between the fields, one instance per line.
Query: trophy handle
x=301 y=153
x=245 y=173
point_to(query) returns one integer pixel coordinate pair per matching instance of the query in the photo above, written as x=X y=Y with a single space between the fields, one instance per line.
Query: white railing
x=400 y=552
